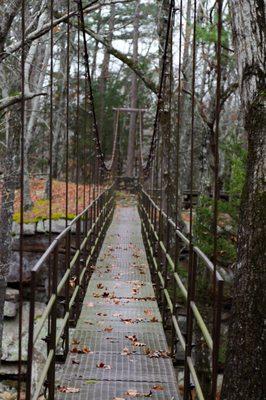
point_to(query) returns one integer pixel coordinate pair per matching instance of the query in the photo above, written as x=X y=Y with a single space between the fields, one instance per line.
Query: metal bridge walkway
x=120 y=328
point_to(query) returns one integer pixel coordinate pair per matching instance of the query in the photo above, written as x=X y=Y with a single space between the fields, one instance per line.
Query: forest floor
x=40 y=208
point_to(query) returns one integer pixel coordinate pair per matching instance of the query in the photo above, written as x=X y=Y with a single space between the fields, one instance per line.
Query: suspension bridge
x=123 y=291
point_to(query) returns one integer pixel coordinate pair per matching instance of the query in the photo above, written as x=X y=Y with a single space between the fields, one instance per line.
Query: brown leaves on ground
x=40 y=209
x=129 y=321
x=136 y=393
x=148 y=312
x=67 y=389
x=156 y=353
x=126 y=352
x=100 y=286
x=84 y=350
x=134 y=341
x=108 y=329
x=103 y=365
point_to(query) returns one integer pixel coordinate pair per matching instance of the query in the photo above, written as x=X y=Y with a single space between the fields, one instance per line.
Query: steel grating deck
x=120 y=302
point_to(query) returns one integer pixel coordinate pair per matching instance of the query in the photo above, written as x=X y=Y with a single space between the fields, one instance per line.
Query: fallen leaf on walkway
x=108 y=329
x=135 y=393
x=132 y=338
x=158 y=387
x=84 y=350
x=91 y=381
x=72 y=282
x=100 y=286
x=75 y=341
x=75 y=362
x=126 y=352
x=101 y=314
x=90 y=304
x=116 y=314
x=119 y=398
x=103 y=365
x=148 y=312
x=154 y=319
x=156 y=353
x=139 y=344
x=66 y=389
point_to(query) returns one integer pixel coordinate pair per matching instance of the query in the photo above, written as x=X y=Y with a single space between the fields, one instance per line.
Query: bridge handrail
x=149 y=212
x=100 y=210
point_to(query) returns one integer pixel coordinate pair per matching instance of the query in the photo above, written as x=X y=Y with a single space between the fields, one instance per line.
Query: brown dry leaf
x=67 y=389
x=108 y=329
x=158 y=387
x=103 y=365
x=100 y=314
x=154 y=319
x=132 y=338
x=126 y=352
x=116 y=314
x=75 y=341
x=72 y=282
x=139 y=344
x=119 y=398
x=156 y=353
x=100 y=286
x=135 y=393
x=84 y=350
x=148 y=311
x=75 y=362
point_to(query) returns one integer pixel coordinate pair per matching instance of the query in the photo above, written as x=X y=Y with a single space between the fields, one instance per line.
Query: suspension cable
x=91 y=98
x=191 y=253
x=154 y=139
x=51 y=134
x=77 y=119
x=67 y=114
x=21 y=237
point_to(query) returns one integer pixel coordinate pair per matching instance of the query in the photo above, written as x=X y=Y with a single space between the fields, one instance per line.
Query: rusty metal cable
x=216 y=136
x=86 y=61
x=216 y=311
x=154 y=139
x=21 y=236
x=51 y=135
x=178 y=109
x=67 y=115
x=191 y=253
x=77 y=119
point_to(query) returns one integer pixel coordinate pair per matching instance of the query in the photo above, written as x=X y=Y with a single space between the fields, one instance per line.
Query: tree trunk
x=243 y=377
x=105 y=72
x=134 y=98
x=6 y=212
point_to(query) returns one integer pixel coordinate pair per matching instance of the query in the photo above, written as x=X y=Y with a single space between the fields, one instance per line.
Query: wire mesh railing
x=79 y=243
x=169 y=282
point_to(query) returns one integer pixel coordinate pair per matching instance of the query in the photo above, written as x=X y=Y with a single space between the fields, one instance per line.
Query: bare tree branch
x=9 y=101
x=96 y=4
x=134 y=66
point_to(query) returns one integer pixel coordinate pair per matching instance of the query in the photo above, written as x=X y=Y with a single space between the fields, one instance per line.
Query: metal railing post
x=52 y=339
x=30 y=337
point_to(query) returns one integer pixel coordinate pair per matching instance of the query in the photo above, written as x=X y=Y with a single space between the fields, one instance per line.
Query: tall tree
x=243 y=377
x=133 y=97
